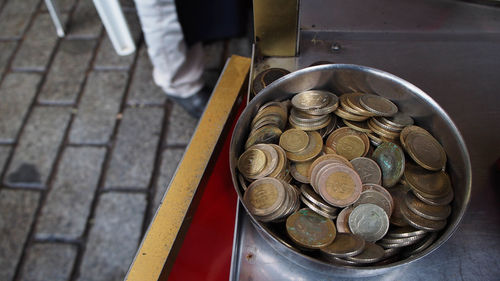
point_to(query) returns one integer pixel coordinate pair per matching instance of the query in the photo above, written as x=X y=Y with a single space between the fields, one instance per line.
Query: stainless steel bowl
x=344 y=78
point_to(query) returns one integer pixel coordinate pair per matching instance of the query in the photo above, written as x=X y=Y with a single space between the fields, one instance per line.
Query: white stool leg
x=56 y=17
x=114 y=21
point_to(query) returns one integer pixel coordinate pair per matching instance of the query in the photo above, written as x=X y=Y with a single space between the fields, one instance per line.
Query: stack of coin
x=264 y=160
x=268 y=124
x=398 y=237
x=348 y=143
x=312 y=200
x=270 y=199
x=344 y=245
x=309 y=230
x=311 y=110
x=389 y=128
x=423 y=148
x=432 y=188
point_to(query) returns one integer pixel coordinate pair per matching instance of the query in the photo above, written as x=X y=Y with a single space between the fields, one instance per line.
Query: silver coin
x=405 y=231
x=380 y=123
x=390 y=252
x=309 y=193
x=367 y=169
x=312 y=99
x=371 y=254
x=316 y=209
x=422 y=244
x=437 y=201
x=338 y=260
x=420 y=222
x=401 y=242
x=344 y=245
x=374 y=197
x=369 y=221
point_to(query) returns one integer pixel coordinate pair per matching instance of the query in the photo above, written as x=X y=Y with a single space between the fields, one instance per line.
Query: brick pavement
x=88 y=143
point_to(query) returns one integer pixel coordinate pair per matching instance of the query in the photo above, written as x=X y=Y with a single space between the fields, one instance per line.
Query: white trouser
x=177 y=69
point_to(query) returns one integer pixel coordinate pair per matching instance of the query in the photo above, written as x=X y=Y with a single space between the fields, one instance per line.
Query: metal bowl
x=344 y=78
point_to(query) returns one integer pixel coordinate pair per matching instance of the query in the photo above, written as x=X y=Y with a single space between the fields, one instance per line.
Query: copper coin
x=420 y=222
x=426 y=151
x=429 y=184
x=391 y=160
x=340 y=186
x=344 y=245
x=310 y=230
x=426 y=211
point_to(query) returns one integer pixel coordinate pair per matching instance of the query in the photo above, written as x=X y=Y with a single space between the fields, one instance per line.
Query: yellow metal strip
x=161 y=242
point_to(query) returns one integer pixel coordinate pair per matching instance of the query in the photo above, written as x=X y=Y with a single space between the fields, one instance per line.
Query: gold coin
x=299 y=171
x=264 y=196
x=381 y=131
x=353 y=102
x=426 y=151
x=271 y=160
x=342 y=113
x=252 y=162
x=294 y=140
x=313 y=148
x=282 y=162
x=266 y=134
x=358 y=126
x=350 y=147
x=270 y=110
x=339 y=185
x=312 y=99
x=336 y=135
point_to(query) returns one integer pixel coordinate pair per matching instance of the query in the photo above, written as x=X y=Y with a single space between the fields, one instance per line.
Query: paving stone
x=114 y=237
x=52 y=262
x=107 y=58
x=134 y=153
x=67 y=72
x=99 y=107
x=213 y=54
x=181 y=126
x=68 y=203
x=16 y=95
x=85 y=22
x=6 y=50
x=170 y=160
x=39 y=43
x=38 y=145
x=17 y=210
x=15 y=17
x=4 y=154
x=143 y=90
x=63 y=5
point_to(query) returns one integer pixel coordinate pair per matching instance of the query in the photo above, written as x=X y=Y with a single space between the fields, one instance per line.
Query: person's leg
x=177 y=69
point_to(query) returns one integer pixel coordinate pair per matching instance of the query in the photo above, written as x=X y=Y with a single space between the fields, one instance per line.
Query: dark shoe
x=195 y=104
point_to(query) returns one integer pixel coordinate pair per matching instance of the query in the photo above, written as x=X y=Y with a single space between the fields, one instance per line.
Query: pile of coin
x=362 y=200
x=270 y=199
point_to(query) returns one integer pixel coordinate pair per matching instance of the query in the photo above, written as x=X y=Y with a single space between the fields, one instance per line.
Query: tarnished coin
x=391 y=160
x=342 y=222
x=329 y=156
x=266 y=134
x=312 y=149
x=264 y=196
x=422 y=244
x=312 y=196
x=436 y=201
x=300 y=170
x=342 y=113
x=428 y=184
x=369 y=221
x=405 y=231
x=376 y=198
x=242 y=181
x=367 y=169
x=310 y=230
x=311 y=126
x=319 y=169
x=302 y=117
x=282 y=164
x=410 y=129
x=400 y=119
x=294 y=140
x=398 y=194
x=340 y=261
x=353 y=102
x=269 y=120
x=426 y=151
x=399 y=242
x=252 y=162
x=344 y=245
x=312 y=99
x=329 y=129
x=339 y=186
x=348 y=142
x=426 y=211
x=266 y=77
x=372 y=253
x=391 y=252
x=271 y=160
x=378 y=105
x=420 y=222
x=381 y=131
x=331 y=106
x=271 y=110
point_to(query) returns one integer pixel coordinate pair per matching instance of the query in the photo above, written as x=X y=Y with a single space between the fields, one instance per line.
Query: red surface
x=206 y=251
